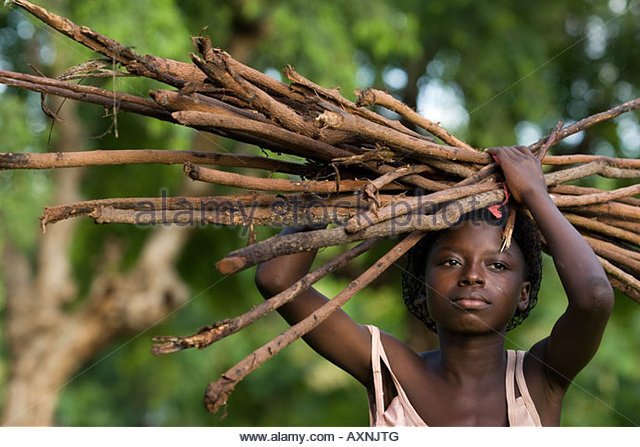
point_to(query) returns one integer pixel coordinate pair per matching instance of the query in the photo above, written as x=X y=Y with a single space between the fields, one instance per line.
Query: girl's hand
x=521 y=170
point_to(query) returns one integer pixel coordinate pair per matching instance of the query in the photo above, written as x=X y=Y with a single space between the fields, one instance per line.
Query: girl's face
x=472 y=287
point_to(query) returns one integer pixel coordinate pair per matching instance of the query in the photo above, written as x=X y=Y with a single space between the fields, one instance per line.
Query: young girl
x=474 y=292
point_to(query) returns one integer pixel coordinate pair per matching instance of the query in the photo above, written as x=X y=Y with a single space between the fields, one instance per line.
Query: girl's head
x=525 y=254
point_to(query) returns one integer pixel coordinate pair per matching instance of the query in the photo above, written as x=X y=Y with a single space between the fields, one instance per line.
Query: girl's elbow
x=606 y=296
x=270 y=282
x=601 y=297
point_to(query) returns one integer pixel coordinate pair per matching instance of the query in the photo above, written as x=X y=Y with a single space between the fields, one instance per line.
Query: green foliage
x=148 y=26
x=509 y=62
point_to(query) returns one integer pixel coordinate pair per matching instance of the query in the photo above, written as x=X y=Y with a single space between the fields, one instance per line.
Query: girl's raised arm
x=339 y=339
x=576 y=335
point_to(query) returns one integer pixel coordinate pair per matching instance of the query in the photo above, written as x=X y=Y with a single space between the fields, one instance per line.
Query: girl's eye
x=498 y=266
x=451 y=263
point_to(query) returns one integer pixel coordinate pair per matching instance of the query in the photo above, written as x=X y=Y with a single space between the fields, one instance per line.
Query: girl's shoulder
x=398 y=349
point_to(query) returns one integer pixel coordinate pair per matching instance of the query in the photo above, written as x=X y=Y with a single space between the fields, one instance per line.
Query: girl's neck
x=468 y=359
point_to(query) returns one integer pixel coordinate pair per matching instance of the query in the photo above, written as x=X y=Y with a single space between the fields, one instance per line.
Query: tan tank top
x=400 y=413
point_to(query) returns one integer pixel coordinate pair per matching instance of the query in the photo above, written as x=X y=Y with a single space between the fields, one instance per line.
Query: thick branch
x=410 y=204
x=30 y=160
x=224 y=210
x=218 y=70
x=391 y=176
x=299 y=242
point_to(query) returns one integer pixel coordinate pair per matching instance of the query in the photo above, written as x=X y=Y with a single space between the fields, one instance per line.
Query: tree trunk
x=48 y=344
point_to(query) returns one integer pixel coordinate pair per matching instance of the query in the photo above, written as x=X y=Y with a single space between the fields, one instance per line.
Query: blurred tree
x=494 y=73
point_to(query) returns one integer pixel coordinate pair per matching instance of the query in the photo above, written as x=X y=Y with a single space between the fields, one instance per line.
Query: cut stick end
x=353 y=226
x=290 y=73
x=163 y=345
x=232 y=264
x=190 y=170
x=217 y=395
x=45 y=219
x=365 y=97
x=180 y=117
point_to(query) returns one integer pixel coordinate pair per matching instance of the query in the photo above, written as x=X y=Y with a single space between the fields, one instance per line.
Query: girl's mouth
x=471 y=302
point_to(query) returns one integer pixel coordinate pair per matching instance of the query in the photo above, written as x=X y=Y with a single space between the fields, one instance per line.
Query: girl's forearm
x=576 y=263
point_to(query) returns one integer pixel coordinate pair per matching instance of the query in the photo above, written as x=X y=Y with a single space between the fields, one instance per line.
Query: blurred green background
x=494 y=73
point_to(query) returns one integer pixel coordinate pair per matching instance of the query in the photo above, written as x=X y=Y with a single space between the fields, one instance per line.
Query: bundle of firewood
x=366 y=176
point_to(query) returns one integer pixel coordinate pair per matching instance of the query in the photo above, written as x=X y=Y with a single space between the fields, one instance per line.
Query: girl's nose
x=471 y=276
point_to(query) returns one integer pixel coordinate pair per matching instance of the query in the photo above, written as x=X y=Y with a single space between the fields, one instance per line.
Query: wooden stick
x=581 y=190
x=617 y=222
x=398 y=141
x=165 y=70
x=601 y=197
x=480 y=176
x=216 y=69
x=451 y=167
x=600 y=167
x=269 y=135
x=265 y=184
x=174 y=101
x=631 y=265
x=411 y=204
x=628 y=280
x=216 y=209
x=263 y=216
x=625 y=288
x=218 y=392
x=620 y=254
x=311 y=240
x=413 y=179
x=343 y=103
x=592 y=120
x=622 y=163
x=206 y=49
x=397 y=173
x=614 y=210
x=85 y=93
x=604 y=229
x=221 y=329
x=372 y=96
x=30 y=160
x=552 y=139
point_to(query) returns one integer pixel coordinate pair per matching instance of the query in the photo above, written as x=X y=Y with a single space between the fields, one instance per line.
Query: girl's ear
x=523 y=300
